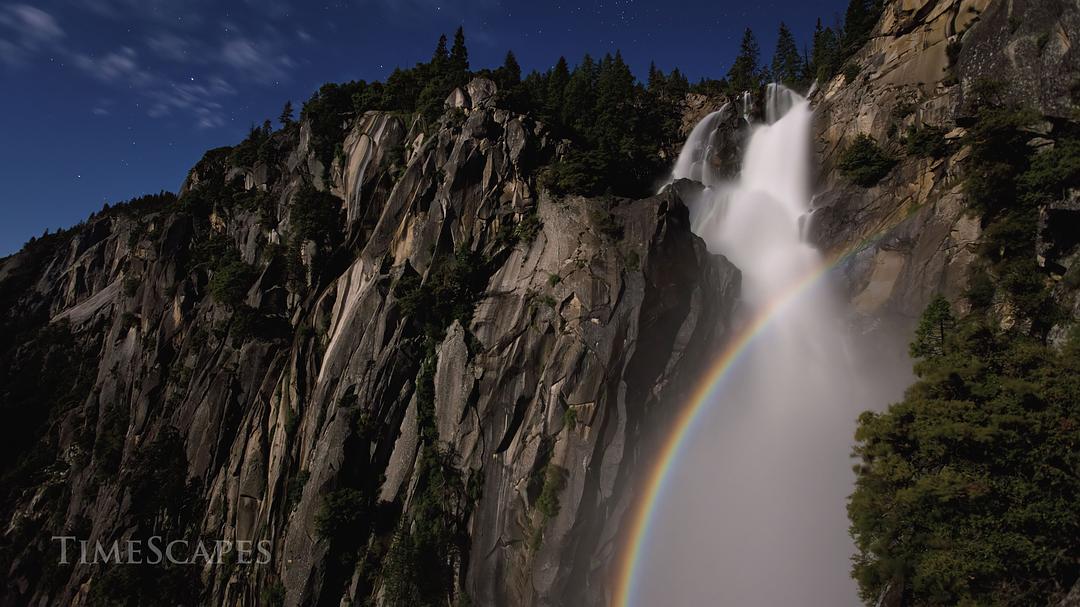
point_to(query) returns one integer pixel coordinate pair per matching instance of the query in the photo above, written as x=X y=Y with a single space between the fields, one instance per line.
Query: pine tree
x=459 y=55
x=677 y=84
x=401 y=90
x=656 y=79
x=556 y=87
x=744 y=74
x=286 y=117
x=614 y=91
x=579 y=101
x=825 y=54
x=859 y=20
x=511 y=71
x=935 y=326
x=441 y=56
x=787 y=65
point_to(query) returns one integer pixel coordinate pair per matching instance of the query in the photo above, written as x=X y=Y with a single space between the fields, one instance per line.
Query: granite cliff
x=410 y=363
x=419 y=374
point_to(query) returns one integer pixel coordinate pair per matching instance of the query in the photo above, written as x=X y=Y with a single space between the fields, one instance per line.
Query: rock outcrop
x=455 y=340
x=411 y=371
x=911 y=235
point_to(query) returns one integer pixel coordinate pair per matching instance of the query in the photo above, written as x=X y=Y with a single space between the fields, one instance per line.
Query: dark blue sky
x=103 y=100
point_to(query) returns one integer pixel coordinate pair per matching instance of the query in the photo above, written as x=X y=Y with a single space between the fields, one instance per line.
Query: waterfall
x=755 y=512
x=699 y=148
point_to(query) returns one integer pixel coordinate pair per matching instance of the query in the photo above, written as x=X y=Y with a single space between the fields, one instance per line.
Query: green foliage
x=859 y=21
x=143 y=205
x=248 y=323
x=935 y=326
x=999 y=154
x=46 y=371
x=966 y=490
x=230 y=278
x=569 y=417
x=555 y=478
x=980 y=291
x=926 y=142
x=787 y=63
x=257 y=147
x=851 y=72
x=343 y=513
x=449 y=293
x=315 y=216
x=825 y=56
x=617 y=125
x=1051 y=173
x=952 y=51
x=579 y=171
x=1006 y=182
x=864 y=163
x=606 y=223
x=109 y=446
x=419 y=567
x=157 y=480
x=745 y=75
x=286 y=117
x=131 y=286
x=525 y=231
x=327 y=112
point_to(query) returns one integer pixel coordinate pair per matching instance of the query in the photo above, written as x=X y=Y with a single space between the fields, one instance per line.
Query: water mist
x=756 y=511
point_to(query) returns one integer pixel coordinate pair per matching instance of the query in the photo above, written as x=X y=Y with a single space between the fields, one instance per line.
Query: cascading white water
x=756 y=513
x=699 y=147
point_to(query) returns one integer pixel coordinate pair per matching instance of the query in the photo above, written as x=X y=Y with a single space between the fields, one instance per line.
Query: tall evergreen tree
x=787 y=65
x=459 y=55
x=556 y=87
x=441 y=56
x=935 y=327
x=286 y=117
x=745 y=74
x=825 y=54
x=859 y=20
x=656 y=78
x=614 y=93
x=509 y=74
x=677 y=84
x=579 y=101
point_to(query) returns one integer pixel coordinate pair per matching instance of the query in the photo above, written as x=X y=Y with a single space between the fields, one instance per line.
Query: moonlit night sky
x=104 y=100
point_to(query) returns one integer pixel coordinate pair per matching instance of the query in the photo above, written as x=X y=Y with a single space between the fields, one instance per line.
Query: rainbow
x=628 y=568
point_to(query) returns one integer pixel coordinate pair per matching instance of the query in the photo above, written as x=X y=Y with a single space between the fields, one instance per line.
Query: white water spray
x=756 y=512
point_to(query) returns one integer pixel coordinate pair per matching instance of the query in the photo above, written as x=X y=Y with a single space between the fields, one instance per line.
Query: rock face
x=332 y=402
x=910 y=236
x=416 y=375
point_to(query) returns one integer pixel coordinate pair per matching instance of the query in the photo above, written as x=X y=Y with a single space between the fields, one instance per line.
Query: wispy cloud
x=24 y=31
x=177 y=68
x=257 y=60
x=171 y=47
x=154 y=11
x=163 y=96
x=201 y=100
x=120 y=66
x=36 y=24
